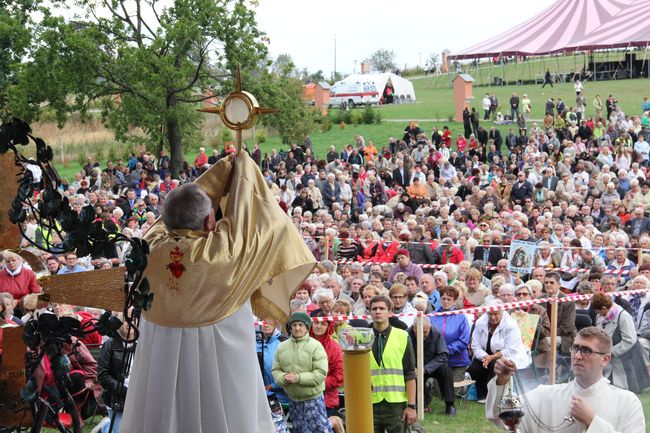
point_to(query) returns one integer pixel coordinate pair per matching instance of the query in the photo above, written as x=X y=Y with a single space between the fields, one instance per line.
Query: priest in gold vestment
x=195 y=369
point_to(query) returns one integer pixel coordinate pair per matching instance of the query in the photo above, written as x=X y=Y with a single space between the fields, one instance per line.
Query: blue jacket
x=456 y=330
x=267 y=349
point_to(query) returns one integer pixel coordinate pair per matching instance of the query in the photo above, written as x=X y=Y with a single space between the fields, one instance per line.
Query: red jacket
x=456 y=257
x=20 y=285
x=94 y=339
x=334 y=377
x=368 y=252
x=386 y=254
x=200 y=160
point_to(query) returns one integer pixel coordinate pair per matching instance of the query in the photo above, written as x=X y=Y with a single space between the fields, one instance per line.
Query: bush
x=260 y=136
x=224 y=136
x=346 y=116
x=325 y=124
x=368 y=115
x=335 y=115
x=357 y=118
x=112 y=152
x=81 y=156
x=377 y=117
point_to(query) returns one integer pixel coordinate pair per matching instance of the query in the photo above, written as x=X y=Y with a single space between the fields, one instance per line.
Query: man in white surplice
x=593 y=404
x=195 y=369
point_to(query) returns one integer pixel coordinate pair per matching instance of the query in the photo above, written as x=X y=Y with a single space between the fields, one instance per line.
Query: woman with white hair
x=15 y=278
x=496 y=335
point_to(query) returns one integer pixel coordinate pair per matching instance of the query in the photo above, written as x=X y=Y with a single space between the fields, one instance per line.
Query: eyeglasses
x=397 y=297
x=523 y=295
x=584 y=350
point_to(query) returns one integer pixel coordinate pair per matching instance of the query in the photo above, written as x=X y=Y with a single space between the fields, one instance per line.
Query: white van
x=346 y=95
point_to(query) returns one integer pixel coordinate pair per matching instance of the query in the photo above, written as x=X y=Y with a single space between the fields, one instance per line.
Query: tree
x=149 y=66
x=284 y=91
x=432 y=62
x=15 y=38
x=284 y=65
x=383 y=60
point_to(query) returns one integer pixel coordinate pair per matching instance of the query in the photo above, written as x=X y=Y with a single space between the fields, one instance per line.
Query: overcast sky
x=413 y=29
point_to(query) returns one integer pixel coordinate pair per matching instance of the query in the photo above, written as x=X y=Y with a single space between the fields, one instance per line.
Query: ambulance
x=347 y=95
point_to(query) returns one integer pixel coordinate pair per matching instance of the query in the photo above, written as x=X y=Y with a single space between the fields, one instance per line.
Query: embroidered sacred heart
x=176 y=269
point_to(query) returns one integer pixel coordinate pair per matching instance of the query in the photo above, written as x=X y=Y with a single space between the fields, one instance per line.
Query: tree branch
x=142 y=22
x=195 y=99
x=125 y=87
x=196 y=76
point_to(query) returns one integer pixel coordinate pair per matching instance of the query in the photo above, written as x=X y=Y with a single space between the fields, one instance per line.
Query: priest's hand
x=503 y=368
x=581 y=411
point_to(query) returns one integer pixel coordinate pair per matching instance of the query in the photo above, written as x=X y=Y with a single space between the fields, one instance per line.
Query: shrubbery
x=367 y=116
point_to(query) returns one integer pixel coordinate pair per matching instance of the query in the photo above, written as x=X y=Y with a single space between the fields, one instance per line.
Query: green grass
x=469 y=419
x=438 y=103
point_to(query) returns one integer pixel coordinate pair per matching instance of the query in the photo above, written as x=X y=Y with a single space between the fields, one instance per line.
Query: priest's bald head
x=188 y=207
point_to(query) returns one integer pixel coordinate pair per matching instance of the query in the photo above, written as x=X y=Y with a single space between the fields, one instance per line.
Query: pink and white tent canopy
x=570 y=25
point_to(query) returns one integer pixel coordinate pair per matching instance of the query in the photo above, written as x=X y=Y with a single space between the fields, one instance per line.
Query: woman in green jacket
x=300 y=367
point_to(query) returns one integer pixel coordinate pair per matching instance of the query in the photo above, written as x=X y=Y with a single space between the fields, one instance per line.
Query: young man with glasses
x=71 y=265
x=588 y=403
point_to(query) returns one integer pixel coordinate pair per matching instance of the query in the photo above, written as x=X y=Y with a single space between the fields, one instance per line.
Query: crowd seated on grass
x=422 y=216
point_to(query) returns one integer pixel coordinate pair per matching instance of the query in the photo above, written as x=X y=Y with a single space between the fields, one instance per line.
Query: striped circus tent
x=570 y=25
x=629 y=28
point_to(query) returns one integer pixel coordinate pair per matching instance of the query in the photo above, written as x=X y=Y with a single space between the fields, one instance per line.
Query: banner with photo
x=521 y=256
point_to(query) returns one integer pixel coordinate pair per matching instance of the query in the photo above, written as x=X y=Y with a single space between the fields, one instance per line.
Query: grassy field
x=79 y=140
x=470 y=418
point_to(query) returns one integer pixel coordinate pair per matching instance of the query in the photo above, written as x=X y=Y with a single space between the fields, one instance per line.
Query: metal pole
x=553 y=366
x=420 y=366
x=516 y=70
x=334 y=77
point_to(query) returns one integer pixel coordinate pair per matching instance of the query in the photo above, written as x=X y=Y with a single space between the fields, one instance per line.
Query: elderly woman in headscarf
x=300 y=367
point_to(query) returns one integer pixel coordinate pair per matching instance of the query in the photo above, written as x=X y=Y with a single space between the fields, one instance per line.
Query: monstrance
x=239 y=110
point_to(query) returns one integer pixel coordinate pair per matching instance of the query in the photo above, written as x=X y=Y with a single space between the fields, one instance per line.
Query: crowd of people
x=422 y=222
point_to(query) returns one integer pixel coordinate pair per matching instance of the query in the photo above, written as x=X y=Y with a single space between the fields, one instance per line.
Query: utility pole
x=334 y=57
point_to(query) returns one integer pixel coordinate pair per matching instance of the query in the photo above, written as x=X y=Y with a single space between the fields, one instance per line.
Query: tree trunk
x=174 y=138
x=175 y=147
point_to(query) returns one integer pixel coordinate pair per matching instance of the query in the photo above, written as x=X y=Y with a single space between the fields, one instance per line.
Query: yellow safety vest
x=388 y=379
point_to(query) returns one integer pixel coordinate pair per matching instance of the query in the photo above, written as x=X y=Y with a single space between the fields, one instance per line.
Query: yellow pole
x=358 y=391
x=553 y=367
x=420 y=366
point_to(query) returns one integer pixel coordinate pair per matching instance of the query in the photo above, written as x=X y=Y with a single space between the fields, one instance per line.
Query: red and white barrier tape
x=482 y=309
x=489 y=268
x=553 y=247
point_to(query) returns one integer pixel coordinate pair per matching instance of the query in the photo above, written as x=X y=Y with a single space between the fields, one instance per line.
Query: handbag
x=633 y=362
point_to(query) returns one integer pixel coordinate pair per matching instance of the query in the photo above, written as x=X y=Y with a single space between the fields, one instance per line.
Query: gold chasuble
x=254 y=252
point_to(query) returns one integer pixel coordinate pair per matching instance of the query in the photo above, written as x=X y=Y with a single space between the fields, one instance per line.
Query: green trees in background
x=141 y=64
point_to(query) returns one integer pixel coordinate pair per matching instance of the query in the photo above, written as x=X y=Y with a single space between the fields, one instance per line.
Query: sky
x=412 y=29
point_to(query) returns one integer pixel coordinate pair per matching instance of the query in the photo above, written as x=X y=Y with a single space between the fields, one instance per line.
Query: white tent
x=403 y=88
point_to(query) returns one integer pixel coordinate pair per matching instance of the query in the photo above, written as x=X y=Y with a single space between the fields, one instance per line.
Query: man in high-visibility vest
x=392 y=372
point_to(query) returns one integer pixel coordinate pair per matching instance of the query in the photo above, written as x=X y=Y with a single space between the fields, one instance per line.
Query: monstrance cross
x=239 y=110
